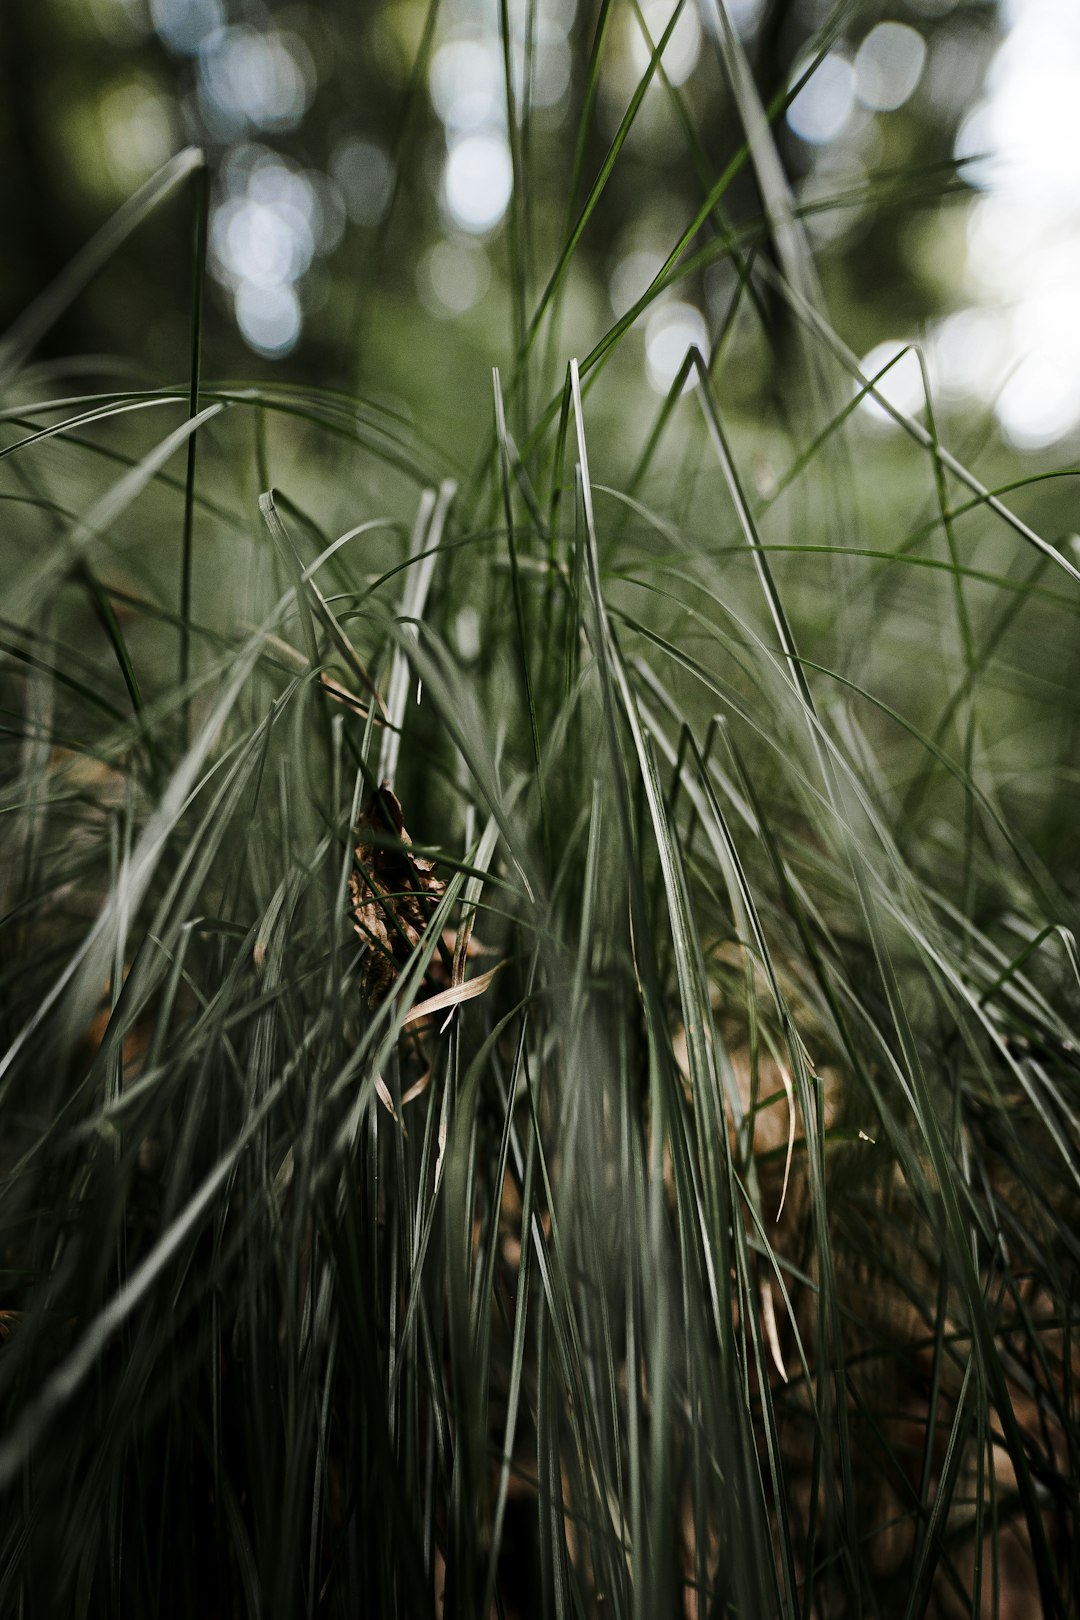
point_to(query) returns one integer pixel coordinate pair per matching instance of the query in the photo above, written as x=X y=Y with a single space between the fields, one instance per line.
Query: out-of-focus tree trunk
x=37 y=240
x=772 y=68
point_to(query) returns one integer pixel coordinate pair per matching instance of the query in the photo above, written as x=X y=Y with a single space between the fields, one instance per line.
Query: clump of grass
x=715 y=1253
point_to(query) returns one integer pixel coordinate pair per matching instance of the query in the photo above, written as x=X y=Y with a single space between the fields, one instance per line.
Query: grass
x=664 y=1204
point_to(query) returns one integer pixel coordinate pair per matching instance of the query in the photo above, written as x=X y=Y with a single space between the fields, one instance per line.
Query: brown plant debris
x=393 y=893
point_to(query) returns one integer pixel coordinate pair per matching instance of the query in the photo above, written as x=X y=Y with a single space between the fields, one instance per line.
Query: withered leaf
x=393 y=893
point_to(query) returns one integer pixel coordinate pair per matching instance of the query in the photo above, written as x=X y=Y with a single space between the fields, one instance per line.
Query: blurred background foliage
x=361 y=237
x=362 y=171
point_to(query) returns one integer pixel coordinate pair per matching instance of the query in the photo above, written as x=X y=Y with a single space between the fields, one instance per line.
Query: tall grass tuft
x=540 y=1004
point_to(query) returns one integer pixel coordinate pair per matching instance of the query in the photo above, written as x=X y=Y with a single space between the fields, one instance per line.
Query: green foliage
x=717 y=1253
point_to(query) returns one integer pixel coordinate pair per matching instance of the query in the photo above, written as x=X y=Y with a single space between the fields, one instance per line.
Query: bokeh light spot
x=820 y=111
x=1040 y=402
x=453 y=277
x=478 y=181
x=673 y=329
x=889 y=65
x=253 y=80
x=744 y=16
x=268 y=316
x=631 y=277
x=264 y=235
x=466 y=84
x=683 y=48
x=184 y=24
x=902 y=384
x=968 y=354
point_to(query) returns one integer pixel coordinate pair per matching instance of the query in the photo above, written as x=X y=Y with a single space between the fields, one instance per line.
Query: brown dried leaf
x=393 y=893
x=457 y=993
